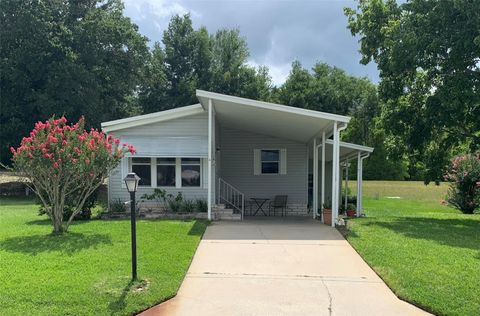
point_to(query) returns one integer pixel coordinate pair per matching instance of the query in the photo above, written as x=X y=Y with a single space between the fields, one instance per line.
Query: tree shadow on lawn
x=462 y=233
x=68 y=243
x=47 y=221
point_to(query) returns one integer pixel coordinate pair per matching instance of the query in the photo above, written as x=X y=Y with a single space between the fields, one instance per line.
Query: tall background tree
x=428 y=54
x=188 y=59
x=85 y=58
x=76 y=58
x=330 y=89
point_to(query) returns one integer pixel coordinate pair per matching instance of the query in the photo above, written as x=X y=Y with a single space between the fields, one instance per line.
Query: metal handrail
x=229 y=194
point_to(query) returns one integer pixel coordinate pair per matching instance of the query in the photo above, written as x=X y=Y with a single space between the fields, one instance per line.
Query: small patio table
x=260 y=202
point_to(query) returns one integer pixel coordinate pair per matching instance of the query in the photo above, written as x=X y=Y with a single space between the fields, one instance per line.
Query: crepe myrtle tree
x=464 y=178
x=66 y=163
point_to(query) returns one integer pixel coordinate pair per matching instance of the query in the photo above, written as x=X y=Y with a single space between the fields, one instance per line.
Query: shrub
x=188 y=206
x=201 y=205
x=174 y=203
x=65 y=164
x=159 y=196
x=464 y=177
x=117 y=206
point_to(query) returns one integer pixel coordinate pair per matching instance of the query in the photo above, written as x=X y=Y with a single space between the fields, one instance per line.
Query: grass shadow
x=17 y=200
x=198 y=228
x=118 y=305
x=47 y=221
x=463 y=233
x=68 y=243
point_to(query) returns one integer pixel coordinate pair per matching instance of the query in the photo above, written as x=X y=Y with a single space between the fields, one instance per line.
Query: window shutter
x=125 y=169
x=204 y=172
x=256 y=162
x=283 y=161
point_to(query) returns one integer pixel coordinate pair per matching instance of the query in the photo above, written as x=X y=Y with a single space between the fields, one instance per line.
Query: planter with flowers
x=351 y=210
x=327 y=212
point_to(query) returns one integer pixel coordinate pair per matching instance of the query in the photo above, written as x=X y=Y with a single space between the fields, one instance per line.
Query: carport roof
x=269 y=118
x=276 y=120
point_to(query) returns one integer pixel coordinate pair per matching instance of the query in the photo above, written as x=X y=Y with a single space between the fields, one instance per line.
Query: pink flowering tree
x=66 y=163
x=464 y=178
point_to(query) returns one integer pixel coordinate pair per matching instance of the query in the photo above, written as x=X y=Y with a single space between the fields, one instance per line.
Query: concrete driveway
x=280 y=267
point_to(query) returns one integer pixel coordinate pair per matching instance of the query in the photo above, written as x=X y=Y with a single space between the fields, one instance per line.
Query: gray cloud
x=277 y=32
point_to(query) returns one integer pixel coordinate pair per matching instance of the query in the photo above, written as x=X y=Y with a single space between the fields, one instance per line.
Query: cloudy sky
x=277 y=31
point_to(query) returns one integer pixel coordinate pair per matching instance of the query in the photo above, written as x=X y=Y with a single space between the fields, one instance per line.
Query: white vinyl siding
x=188 y=129
x=237 y=151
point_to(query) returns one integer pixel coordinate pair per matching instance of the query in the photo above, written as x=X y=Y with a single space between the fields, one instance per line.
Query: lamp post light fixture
x=131 y=181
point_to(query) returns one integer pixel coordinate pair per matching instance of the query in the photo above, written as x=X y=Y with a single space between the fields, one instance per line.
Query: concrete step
x=232 y=217
x=227 y=211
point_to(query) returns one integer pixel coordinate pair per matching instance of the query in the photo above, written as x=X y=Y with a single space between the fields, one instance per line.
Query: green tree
x=179 y=40
x=65 y=57
x=65 y=165
x=330 y=89
x=428 y=54
x=193 y=59
x=153 y=92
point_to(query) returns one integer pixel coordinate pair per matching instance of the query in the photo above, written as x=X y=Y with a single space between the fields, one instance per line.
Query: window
x=166 y=172
x=142 y=167
x=270 y=160
x=190 y=172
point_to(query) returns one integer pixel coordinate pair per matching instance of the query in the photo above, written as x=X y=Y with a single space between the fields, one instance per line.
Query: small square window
x=270 y=160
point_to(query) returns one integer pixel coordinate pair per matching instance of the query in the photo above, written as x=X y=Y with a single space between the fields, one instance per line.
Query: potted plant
x=351 y=210
x=327 y=212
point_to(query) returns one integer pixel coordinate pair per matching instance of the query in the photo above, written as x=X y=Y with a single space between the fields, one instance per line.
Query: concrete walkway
x=280 y=267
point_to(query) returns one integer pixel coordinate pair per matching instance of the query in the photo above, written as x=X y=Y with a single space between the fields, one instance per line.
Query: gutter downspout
x=360 y=182
x=337 y=172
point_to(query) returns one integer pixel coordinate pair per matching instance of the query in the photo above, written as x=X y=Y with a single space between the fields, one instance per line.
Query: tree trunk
x=57 y=214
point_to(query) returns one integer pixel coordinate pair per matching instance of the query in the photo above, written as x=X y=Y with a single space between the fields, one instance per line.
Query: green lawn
x=87 y=271
x=428 y=253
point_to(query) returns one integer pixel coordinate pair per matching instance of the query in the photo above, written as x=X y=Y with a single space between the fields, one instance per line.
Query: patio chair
x=279 y=202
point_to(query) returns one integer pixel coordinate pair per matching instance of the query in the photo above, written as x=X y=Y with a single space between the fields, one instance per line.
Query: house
x=228 y=150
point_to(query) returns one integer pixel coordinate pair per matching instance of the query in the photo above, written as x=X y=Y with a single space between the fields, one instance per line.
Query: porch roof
x=347 y=150
x=269 y=118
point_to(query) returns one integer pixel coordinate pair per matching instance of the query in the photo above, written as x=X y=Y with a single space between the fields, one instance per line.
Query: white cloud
x=156 y=12
x=278 y=72
x=161 y=8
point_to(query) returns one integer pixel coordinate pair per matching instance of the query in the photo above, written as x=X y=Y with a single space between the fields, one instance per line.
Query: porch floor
x=280 y=266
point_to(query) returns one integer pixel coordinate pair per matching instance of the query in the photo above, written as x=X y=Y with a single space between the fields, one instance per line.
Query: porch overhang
x=301 y=125
x=347 y=150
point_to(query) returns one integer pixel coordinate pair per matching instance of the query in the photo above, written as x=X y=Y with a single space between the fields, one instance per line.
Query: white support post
x=336 y=168
x=315 y=178
x=340 y=186
x=209 y=174
x=346 y=183
x=359 y=183
x=323 y=172
x=334 y=175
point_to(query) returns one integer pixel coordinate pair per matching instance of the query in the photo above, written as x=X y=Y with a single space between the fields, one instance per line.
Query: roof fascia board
x=272 y=106
x=152 y=118
x=352 y=146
